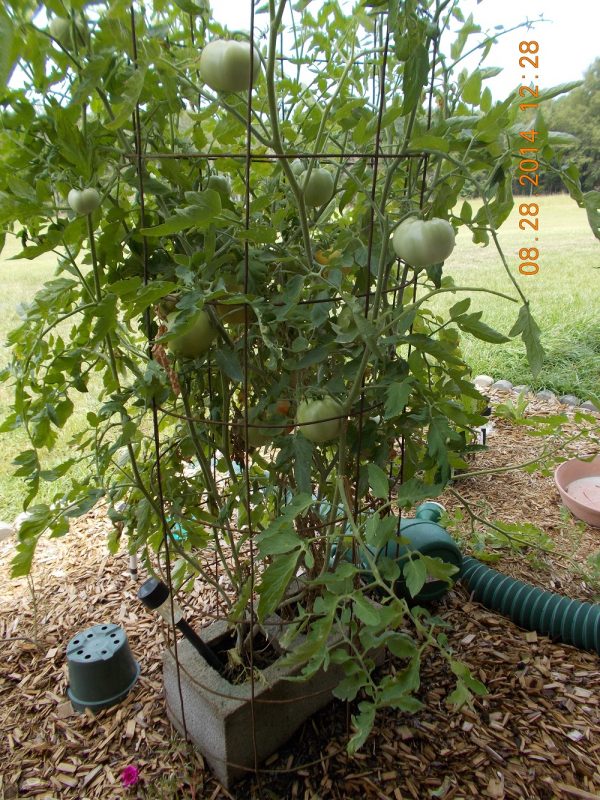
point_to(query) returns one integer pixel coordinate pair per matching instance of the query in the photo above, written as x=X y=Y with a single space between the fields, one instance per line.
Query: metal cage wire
x=139 y=157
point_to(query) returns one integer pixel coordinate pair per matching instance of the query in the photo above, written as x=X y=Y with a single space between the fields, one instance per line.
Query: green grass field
x=565 y=297
x=21 y=279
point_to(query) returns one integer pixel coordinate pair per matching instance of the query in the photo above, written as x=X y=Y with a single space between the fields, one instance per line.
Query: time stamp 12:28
x=529 y=164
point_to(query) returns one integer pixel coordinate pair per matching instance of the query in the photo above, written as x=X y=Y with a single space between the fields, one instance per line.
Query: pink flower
x=130 y=776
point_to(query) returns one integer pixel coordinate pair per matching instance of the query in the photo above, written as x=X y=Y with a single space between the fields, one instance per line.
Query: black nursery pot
x=101 y=668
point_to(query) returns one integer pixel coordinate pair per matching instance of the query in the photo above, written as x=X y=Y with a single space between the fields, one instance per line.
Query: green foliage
x=577 y=116
x=322 y=307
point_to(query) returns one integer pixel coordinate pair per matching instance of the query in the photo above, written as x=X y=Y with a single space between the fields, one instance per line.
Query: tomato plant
x=247 y=249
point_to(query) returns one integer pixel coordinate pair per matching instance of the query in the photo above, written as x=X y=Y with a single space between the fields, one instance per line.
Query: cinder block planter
x=218 y=714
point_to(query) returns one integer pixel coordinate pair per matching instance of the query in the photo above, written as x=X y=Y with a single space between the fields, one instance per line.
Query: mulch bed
x=535 y=735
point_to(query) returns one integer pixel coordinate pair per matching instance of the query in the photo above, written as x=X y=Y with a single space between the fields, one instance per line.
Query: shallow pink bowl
x=587 y=504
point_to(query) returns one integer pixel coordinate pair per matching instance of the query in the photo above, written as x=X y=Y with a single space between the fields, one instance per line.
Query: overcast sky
x=568 y=42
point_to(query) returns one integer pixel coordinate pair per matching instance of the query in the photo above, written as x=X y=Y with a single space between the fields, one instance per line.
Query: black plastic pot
x=101 y=668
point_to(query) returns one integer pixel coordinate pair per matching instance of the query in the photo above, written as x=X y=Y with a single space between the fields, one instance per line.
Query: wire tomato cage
x=235 y=495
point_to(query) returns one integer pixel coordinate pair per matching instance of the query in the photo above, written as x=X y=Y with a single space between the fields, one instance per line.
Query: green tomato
x=313 y=417
x=257 y=435
x=220 y=184
x=297 y=166
x=421 y=243
x=225 y=65
x=83 y=202
x=403 y=48
x=194 y=341
x=168 y=304
x=319 y=188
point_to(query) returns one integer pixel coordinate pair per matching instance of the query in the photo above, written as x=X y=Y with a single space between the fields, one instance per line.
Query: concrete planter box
x=218 y=714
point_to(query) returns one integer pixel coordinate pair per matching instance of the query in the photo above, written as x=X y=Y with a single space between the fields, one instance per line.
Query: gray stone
x=483 y=381
x=218 y=714
x=589 y=406
x=569 y=399
x=6 y=531
x=522 y=388
x=546 y=394
x=503 y=386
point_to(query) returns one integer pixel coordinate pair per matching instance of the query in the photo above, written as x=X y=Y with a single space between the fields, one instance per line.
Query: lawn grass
x=564 y=295
x=20 y=281
x=565 y=298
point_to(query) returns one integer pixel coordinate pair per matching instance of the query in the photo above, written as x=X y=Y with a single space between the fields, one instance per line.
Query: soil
x=535 y=735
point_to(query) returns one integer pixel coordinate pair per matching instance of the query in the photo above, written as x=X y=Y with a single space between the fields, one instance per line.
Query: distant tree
x=578 y=113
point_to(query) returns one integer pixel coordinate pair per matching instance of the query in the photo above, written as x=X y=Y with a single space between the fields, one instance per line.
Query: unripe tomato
x=313 y=417
x=297 y=166
x=319 y=189
x=83 y=202
x=423 y=243
x=323 y=258
x=258 y=436
x=225 y=65
x=220 y=184
x=168 y=304
x=283 y=406
x=196 y=340
x=234 y=313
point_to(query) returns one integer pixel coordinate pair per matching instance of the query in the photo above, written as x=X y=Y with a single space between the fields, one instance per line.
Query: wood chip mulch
x=535 y=735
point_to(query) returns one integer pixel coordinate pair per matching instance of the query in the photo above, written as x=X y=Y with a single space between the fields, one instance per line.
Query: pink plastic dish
x=579 y=485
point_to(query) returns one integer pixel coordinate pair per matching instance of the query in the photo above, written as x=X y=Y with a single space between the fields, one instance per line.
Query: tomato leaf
x=379 y=530
x=363 y=724
x=378 y=481
x=428 y=143
x=229 y=363
x=530 y=334
x=274 y=582
x=303 y=452
x=415 y=574
x=366 y=611
x=591 y=201
x=9 y=47
x=397 y=398
x=416 y=71
x=415 y=489
x=199 y=215
x=473 y=325
x=131 y=94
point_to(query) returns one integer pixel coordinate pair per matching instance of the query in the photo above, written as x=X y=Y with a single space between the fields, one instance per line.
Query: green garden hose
x=532 y=608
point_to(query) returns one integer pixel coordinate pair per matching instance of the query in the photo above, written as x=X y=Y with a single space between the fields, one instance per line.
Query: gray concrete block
x=219 y=715
x=569 y=399
x=545 y=394
x=504 y=386
x=6 y=531
x=483 y=381
x=522 y=388
x=589 y=406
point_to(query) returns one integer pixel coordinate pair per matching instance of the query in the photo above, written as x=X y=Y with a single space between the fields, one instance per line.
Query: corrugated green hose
x=532 y=608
